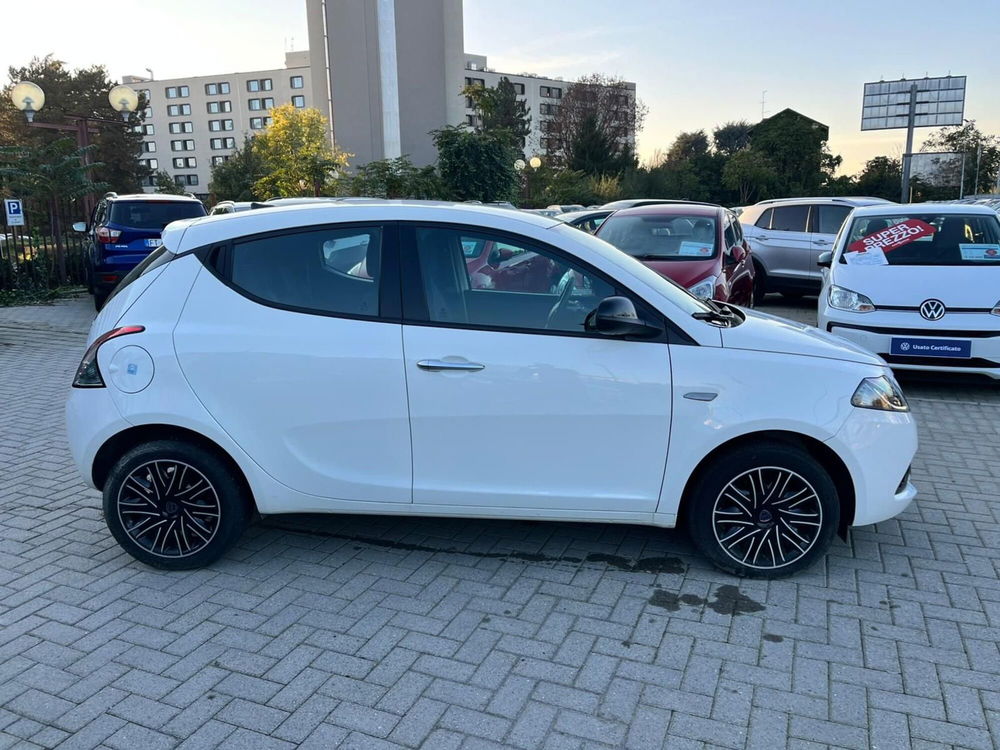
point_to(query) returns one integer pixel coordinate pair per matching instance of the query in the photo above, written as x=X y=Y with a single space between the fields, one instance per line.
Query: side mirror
x=616 y=316
x=825 y=259
x=80 y=226
x=737 y=253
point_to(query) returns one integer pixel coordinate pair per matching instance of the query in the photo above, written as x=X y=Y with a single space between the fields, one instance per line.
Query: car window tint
x=506 y=284
x=153 y=214
x=730 y=233
x=790 y=218
x=764 y=220
x=328 y=270
x=831 y=218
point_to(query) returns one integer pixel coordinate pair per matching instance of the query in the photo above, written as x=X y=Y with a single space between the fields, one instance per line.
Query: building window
x=550 y=92
x=254 y=104
x=171 y=92
x=299 y=101
x=178 y=110
x=221 y=143
x=269 y=102
x=149 y=163
x=217 y=160
x=256 y=123
x=548 y=109
x=181 y=127
x=148 y=130
x=183 y=91
x=215 y=108
x=296 y=82
x=180 y=162
x=148 y=147
x=182 y=145
x=186 y=179
x=474 y=81
x=174 y=92
x=216 y=125
x=147 y=113
x=259 y=84
x=212 y=89
x=265 y=84
x=224 y=87
x=518 y=88
x=143 y=93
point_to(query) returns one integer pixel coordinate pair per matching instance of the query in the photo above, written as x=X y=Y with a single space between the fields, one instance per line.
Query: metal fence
x=30 y=261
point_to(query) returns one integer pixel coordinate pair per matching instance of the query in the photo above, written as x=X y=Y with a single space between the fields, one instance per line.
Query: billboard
x=939 y=102
x=939 y=169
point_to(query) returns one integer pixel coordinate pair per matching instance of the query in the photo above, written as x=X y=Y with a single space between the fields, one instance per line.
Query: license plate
x=154 y=243
x=908 y=347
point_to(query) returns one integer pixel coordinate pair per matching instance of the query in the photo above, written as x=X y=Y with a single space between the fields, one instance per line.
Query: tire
x=772 y=535
x=793 y=296
x=202 y=515
x=759 y=284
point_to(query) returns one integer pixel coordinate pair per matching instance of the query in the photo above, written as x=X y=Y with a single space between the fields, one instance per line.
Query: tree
x=732 y=137
x=392 y=178
x=592 y=151
x=688 y=146
x=751 y=174
x=80 y=92
x=235 y=178
x=881 y=178
x=52 y=174
x=297 y=156
x=796 y=147
x=167 y=185
x=499 y=110
x=597 y=103
x=977 y=147
x=476 y=166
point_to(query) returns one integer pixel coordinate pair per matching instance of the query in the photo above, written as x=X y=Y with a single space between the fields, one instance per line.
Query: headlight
x=880 y=393
x=845 y=299
x=704 y=289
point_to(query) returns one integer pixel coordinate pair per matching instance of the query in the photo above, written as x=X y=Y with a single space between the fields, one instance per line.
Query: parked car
x=565 y=208
x=232 y=207
x=589 y=220
x=700 y=246
x=123 y=230
x=787 y=236
x=637 y=202
x=279 y=382
x=919 y=285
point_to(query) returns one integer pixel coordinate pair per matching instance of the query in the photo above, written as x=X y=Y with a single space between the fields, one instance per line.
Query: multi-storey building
x=194 y=123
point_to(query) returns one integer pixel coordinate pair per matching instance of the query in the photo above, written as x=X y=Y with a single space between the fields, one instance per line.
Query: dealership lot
x=460 y=633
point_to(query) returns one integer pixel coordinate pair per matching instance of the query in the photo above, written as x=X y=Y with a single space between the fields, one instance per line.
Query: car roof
x=834 y=199
x=570 y=215
x=189 y=233
x=672 y=209
x=152 y=197
x=897 y=209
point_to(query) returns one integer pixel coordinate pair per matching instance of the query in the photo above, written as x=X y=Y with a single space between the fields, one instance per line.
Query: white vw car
x=919 y=285
x=347 y=359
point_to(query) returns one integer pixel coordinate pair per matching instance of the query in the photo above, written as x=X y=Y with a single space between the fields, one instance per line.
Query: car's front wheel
x=764 y=511
x=173 y=505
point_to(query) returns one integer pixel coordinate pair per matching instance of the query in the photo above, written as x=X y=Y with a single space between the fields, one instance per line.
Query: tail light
x=106 y=235
x=88 y=374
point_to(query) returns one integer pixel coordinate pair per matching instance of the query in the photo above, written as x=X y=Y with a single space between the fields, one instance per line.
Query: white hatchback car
x=919 y=285
x=344 y=359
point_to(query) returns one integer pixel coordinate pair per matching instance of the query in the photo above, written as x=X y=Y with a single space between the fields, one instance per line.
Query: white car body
x=970 y=295
x=331 y=414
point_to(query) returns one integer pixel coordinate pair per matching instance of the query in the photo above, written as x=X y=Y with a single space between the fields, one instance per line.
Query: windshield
x=673 y=237
x=674 y=292
x=923 y=239
x=153 y=214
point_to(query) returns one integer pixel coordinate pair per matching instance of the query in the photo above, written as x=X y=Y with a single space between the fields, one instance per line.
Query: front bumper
x=878 y=448
x=875 y=332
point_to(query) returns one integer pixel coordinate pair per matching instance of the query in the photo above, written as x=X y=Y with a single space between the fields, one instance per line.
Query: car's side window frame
x=769 y=213
x=414 y=301
x=218 y=260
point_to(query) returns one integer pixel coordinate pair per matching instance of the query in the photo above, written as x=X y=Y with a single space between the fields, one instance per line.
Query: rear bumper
x=91 y=418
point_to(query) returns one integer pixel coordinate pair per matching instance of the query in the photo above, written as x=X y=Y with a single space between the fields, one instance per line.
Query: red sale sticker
x=892 y=237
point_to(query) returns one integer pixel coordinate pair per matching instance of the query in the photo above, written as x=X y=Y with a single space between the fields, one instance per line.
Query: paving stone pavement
x=363 y=632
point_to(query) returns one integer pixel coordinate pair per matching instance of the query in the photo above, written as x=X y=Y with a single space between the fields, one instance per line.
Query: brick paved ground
x=380 y=632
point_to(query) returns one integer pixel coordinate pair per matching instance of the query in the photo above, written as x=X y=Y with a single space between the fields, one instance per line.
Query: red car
x=700 y=246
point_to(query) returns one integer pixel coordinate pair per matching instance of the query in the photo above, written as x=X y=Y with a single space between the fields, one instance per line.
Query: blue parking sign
x=15 y=212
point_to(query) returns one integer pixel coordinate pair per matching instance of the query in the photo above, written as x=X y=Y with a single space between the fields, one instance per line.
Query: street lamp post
x=29 y=98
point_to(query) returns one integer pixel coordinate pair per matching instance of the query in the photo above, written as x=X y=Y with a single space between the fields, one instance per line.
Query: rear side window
x=830 y=219
x=323 y=271
x=790 y=218
x=764 y=220
x=153 y=214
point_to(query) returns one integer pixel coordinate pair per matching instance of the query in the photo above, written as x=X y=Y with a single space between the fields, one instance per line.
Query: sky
x=695 y=64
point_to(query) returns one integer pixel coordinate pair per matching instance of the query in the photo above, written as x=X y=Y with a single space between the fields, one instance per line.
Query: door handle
x=441 y=364
x=761 y=237
x=821 y=242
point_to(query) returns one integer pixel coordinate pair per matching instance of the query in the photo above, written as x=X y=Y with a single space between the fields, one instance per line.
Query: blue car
x=123 y=230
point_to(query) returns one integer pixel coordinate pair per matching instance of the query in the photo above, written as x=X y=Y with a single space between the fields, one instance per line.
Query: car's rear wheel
x=764 y=511
x=173 y=505
x=759 y=283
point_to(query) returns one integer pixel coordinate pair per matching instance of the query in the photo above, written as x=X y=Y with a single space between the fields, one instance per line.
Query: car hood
x=767 y=333
x=687 y=273
x=908 y=286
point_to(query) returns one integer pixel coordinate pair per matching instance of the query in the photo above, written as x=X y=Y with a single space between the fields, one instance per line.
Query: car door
x=736 y=263
x=785 y=244
x=825 y=221
x=512 y=403
x=292 y=341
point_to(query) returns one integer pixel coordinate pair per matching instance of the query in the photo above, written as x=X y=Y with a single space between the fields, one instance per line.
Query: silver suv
x=787 y=235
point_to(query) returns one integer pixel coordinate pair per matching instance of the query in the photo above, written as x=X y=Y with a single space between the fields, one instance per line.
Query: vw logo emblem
x=904 y=347
x=932 y=309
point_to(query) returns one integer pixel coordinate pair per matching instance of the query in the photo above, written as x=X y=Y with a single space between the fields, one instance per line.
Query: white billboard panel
x=939 y=102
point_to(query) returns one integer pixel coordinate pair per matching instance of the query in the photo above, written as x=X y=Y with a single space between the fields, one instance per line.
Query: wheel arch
x=119 y=443
x=823 y=454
